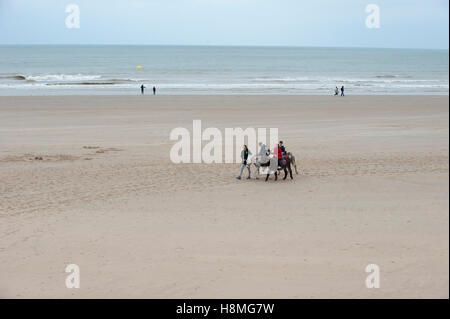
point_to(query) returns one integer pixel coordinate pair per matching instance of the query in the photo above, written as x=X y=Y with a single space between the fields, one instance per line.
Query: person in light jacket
x=262 y=150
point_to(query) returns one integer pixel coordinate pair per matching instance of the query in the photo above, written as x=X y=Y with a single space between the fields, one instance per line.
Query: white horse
x=266 y=165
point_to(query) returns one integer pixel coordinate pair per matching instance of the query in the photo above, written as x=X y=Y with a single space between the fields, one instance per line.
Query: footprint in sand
x=100 y=150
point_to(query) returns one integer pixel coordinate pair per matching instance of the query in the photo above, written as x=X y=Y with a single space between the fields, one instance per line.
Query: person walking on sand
x=142 y=88
x=244 y=156
x=336 y=91
x=154 y=90
x=342 y=91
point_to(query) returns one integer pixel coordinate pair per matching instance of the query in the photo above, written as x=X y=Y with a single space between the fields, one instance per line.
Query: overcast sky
x=403 y=23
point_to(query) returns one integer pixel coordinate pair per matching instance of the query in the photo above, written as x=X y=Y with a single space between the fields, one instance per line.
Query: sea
x=119 y=69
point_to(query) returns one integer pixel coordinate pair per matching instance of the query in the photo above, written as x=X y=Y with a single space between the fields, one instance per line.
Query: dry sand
x=88 y=180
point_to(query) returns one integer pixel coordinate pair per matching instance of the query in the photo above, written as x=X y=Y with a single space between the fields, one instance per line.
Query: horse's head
x=255 y=160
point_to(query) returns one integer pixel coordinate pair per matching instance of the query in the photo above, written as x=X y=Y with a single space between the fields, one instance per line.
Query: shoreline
x=223 y=95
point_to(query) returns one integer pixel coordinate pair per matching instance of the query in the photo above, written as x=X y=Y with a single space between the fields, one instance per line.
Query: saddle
x=265 y=164
x=284 y=159
x=263 y=160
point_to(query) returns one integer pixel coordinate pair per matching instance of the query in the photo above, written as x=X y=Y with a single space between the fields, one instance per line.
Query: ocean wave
x=270 y=79
x=82 y=83
x=183 y=84
x=386 y=76
x=327 y=80
x=393 y=76
x=230 y=86
x=62 y=77
x=94 y=82
x=13 y=77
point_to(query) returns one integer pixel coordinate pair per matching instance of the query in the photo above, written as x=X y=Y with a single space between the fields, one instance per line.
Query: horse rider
x=283 y=149
x=262 y=150
x=277 y=151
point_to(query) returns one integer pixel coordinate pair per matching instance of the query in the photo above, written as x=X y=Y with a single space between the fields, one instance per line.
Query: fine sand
x=87 y=180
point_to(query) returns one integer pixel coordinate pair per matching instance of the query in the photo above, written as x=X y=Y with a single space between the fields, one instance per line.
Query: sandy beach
x=87 y=180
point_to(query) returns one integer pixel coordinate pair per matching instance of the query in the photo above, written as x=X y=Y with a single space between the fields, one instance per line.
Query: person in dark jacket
x=283 y=149
x=342 y=91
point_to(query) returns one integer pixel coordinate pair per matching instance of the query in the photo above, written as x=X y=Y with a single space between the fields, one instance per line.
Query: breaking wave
x=63 y=79
x=13 y=77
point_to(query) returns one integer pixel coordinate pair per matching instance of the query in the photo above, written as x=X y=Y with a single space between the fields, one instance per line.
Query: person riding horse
x=268 y=163
x=283 y=149
x=279 y=154
x=262 y=150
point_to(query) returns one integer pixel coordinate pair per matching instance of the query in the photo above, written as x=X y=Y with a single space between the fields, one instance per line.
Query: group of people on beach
x=278 y=151
x=143 y=87
x=336 y=91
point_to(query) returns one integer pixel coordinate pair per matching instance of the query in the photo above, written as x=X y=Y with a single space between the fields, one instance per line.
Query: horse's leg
x=290 y=171
x=276 y=176
x=267 y=177
x=295 y=166
x=285 y=173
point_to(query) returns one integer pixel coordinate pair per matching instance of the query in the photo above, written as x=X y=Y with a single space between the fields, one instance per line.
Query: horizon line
x=219 y=45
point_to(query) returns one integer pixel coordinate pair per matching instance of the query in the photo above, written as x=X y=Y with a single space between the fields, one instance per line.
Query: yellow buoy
x=139 y=67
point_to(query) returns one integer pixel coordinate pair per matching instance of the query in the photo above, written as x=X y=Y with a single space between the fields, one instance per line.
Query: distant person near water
x=342 y=91
x=336 y=91
x=142 y=88
x=154 y=90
